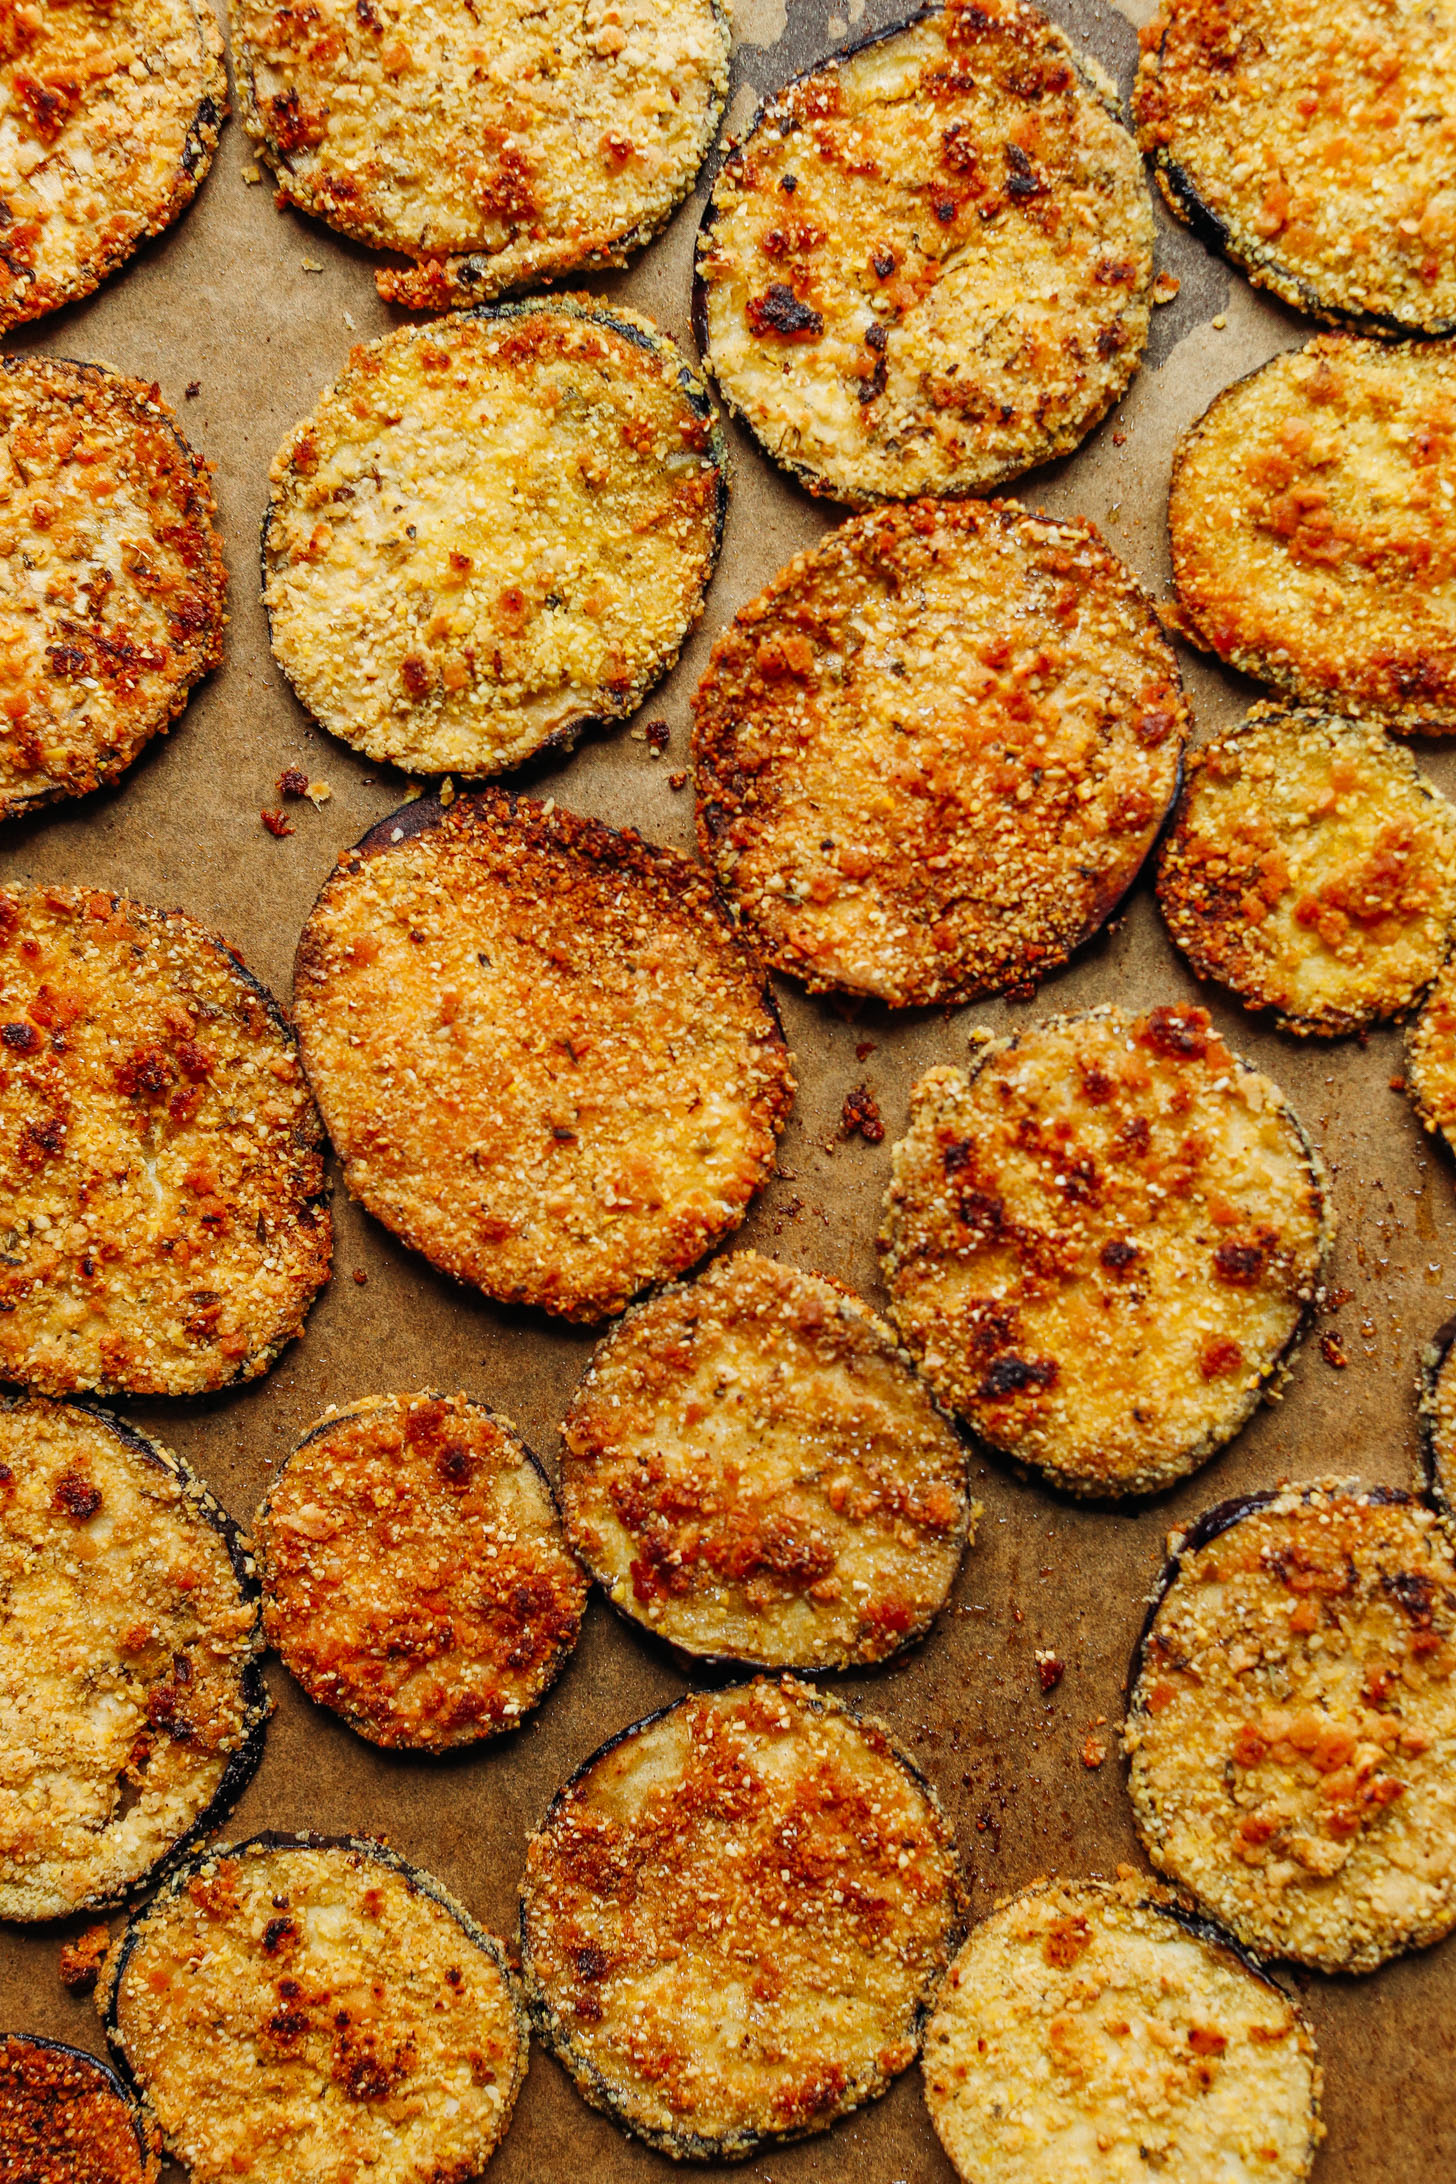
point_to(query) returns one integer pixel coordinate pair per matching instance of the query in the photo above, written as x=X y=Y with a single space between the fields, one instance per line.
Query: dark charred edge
x=803 y=474
x=360 y=1409
x=416 y=1879
x=242 y=1763
x=730 y=1666
x=1433 y=1363
x=592 y=2084
x=562 y=741
x=1104 y=905
x=111 y=2082
x=1309 y=714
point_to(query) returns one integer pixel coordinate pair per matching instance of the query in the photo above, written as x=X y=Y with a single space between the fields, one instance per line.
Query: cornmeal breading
x=65 y=2118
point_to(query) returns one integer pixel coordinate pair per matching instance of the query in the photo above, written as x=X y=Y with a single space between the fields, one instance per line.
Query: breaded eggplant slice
x=1292 y=1726
x=1101 y=1244
x=752 y=1470
x=932 y=756
x=734 y=1919
x=415 y=1575
x=495 y=145
x=299 y=2007
x=66 y=2118
x=131 y=1699
x=112 y=585
x=112 y=109
x=1438 y=1420
x=1310 y=867
x=1311 y=143
x=545 y=1056
x=492 y=531
x=164 y=1224
x=1080 y=2013
x=1430 y=1057
x=929 y=263
x=1313 y=531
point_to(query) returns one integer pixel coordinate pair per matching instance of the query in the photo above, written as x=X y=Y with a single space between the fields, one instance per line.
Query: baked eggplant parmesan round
x=1081 y=2013
x=1292 y=1726
x=302 y=2007
x=66 y=2118
x=1438 y=1420
x=752 y=1470
x=415 y=1577
x=1312 y=519
x=932 y=756
x=545 y=1057
x=491 y=531
x=734 y=1919
x=1311 y=143
x=164 y=1224
x=494 y=145
x=929 y=263
x=112 y=110
x=1310 y=867
x=112 y=586
x=1430 y=1057
x=1102 y=1244
x=131 y=1699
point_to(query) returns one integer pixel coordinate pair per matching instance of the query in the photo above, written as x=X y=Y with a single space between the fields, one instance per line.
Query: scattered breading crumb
x=81 y=1959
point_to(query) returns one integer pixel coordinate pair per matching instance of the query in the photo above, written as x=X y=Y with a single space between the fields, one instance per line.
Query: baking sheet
x=257 y=309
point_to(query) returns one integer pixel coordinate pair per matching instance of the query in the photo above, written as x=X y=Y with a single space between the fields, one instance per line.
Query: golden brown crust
x=1314 y=144
x=751 y=1469
x=112 y=585
x=65 y=2120
x=929 y=264
x=1293 y=1720
x=734 y=1917
x=112 y=115
x=1101 y=1246
x=163 y=1226
x=545 y=1058
x=415 y=1576
x=1081 y=2014
x=933 y=754
x=447 y=610
x=1313 y=527
x=1311 y=868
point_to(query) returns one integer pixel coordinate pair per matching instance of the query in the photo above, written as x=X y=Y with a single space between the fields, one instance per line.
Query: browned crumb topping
x=162 y=1225
x=1292 y=1724
x=1312 y=868
x=415 y=1577
x=1313 y=525
x=933 y=754
x=751 y=1468
x=1101 y=1245
x=81 y=1959
x=734 y=1916
x=1320 y=140
x=546 y=1059
x=64 y=2121
x=928 y=265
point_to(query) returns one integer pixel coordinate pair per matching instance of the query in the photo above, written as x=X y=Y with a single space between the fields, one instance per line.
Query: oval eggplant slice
x=496 y=146
x=928 y=265
x=933 y=755
x=1314 y=543
x=163 y=1219
x=68 y=2119
x=415 y=1576
x=131 y=1700
x=1293 y=1720
x=493 y=531
x=105 y=657
x=301 y=2007
x=734 y=1918
x=1438 y=1420
x=1246 y=109
x=1079 y=2011
x=112 y=115
x=1310 y=867
x=752 y=1471
x=1101 y=1245
x=546 y=1058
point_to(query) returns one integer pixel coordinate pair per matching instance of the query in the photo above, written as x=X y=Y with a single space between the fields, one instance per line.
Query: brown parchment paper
x=242 y=314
